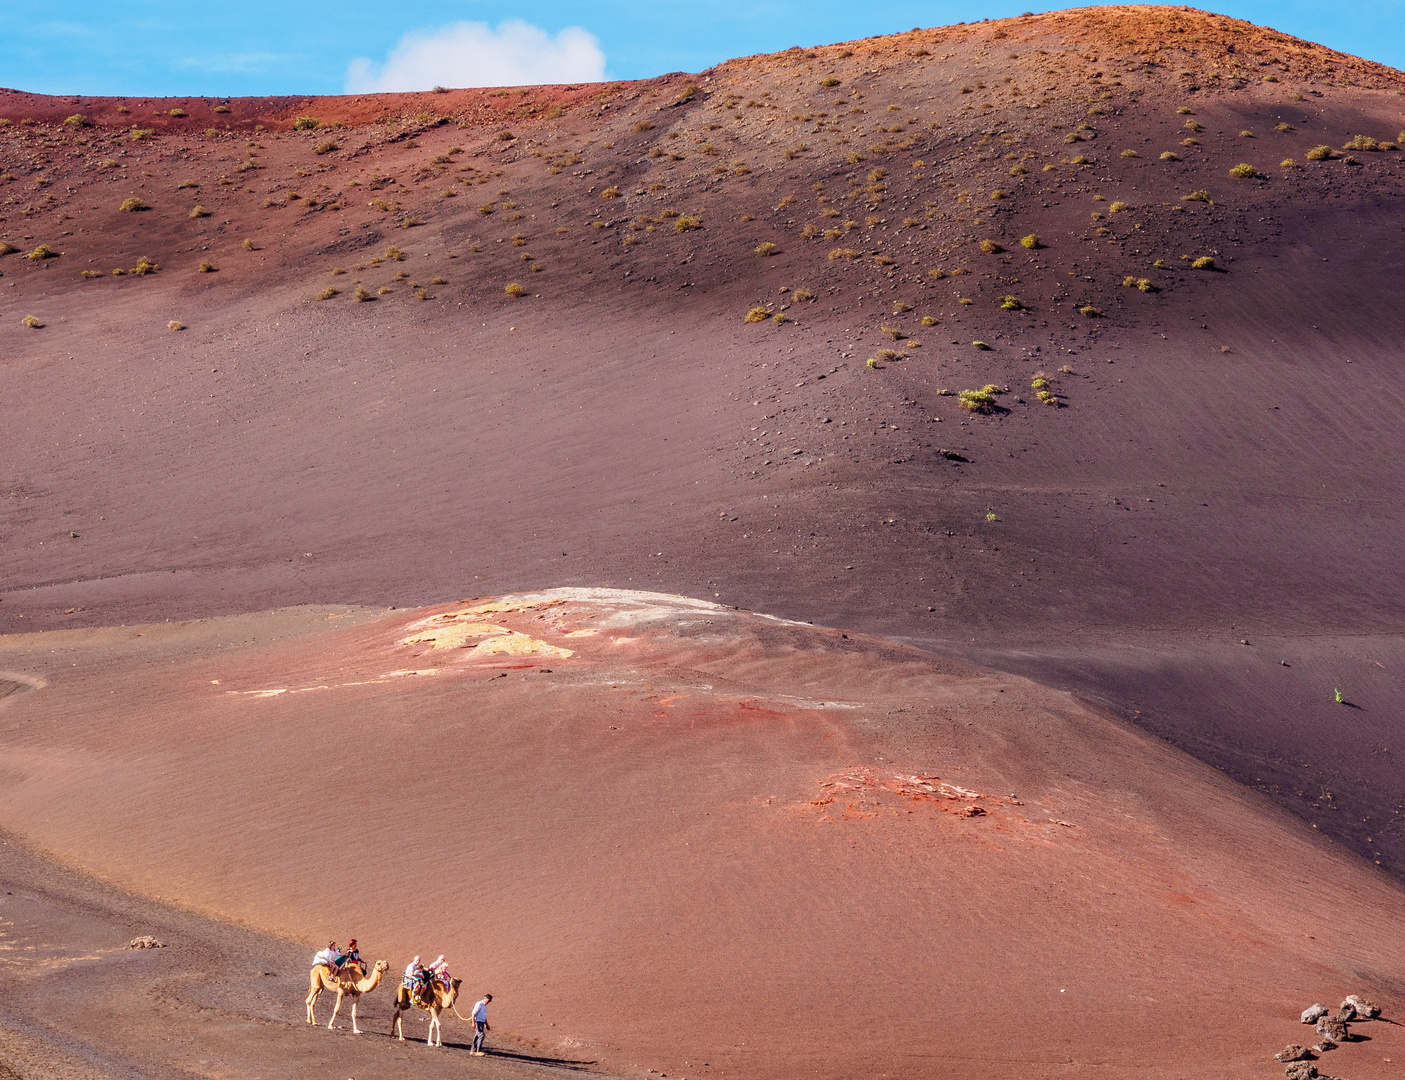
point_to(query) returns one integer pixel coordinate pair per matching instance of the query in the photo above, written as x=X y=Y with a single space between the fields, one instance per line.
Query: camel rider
x=351 y=956
x=328 y=957
x=439 y=970
x=416 y=980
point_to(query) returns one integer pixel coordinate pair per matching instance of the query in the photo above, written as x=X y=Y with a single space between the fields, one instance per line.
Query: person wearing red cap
x=352 y=955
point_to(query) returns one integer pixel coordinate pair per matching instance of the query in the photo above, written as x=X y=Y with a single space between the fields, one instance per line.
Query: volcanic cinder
x=706 y=335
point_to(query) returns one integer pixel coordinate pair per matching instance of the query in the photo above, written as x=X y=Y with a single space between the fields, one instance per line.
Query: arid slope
x=1221 y=470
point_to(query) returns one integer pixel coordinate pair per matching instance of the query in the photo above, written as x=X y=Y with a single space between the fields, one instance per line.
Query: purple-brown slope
x=1228 y=476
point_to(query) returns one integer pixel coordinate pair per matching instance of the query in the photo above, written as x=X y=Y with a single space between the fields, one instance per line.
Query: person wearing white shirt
x=480 y=1024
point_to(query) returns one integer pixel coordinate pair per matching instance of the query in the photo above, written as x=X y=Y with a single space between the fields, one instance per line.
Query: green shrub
x=77 y=120
x=1130 y=153
x=1205 y=262
x=1362 y=142
x=978 y=401
x=327 y=293
x=685 y=223
x=31 y=321
x=1321 y=153
x=980 y=345
x=1166 y=155
x=757 y=314
x=206 y=267
x=766 y=249
x=1089 y=311
x=1031 y=241
x=43 y=251
x=199 y=212
x=145 y=266
x=927 y=320
x=1244 y=171
x=844 y=253
x=830 y=81
x=7 y=248
x=1288 y=163
x=1146 y=285
x=990 y=247
x=1197 y=196
x=514 y=290
x=176 y=113
x=132 y=205
x=1011 y=303
x=306 y=123
x=140 y=134
x=326 y=146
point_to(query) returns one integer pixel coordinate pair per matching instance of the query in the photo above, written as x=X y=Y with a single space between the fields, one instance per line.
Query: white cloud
x=474 y=54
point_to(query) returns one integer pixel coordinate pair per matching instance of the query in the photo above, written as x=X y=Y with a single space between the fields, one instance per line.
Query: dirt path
x=217 y=1002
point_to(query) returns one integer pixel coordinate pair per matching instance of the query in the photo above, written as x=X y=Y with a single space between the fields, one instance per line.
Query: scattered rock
x=1346 y=1012
x=1313 y=1013
x=1324 y=1046
x=1331 y=1028
x=972 y=811
x=1301 y=1070
x=1365 y=1008
x=1292 y=1052
x=146 y=941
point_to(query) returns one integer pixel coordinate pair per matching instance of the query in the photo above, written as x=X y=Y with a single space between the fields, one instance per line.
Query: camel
x=443 y=999
x=346 y=984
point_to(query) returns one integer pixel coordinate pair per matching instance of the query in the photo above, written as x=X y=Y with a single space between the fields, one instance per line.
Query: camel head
x=382 y=966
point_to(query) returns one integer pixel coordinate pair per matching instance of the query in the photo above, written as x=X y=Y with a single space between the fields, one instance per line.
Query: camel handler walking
x=480 y=1024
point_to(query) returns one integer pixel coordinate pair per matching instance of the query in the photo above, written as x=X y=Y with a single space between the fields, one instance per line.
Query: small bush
x=1117 y=208
x=132 y=205
x=362 y=294
x=394 y=254
x=685 y=223
x=1166 y=155
x=1205 y=262
x=1321 y=153
x=928 y=320
x=978 y=401
x=206 y=267
x=1288 y=163
x=174 y=325
x=86 y=274
x=1246 y=134
x=1197 y=196
x=765 y=249
x=221 y=108
x=7 y=248
x=514 y=290
x=31 y=321
x=844 y=253
x=1080 y=160
x=176 y=113
x=1018 y=170
x=780 y=317
x=1362 y=142
x=1244 y=171
x=1283 y=127
x=830 y=81
x=326 y=146
x=1089 y=311
x=145 y=266
x=757 y=314
x=307 y=123
x=883 y=356
x=1146 y=285
x=1031 y=242
x=327 y=293
x=801 y=295
x=249 y=245
x=1184 y=110
x=892 y=332
x=437 y=281
x=199 y=212
x=610 y=193
x=43 y=251
x=77 y=120
x=882 y=260
x=1011 y=303
x=980 y=345
x=990 y=247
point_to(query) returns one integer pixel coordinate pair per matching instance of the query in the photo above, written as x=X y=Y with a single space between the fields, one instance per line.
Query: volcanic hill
x=708 y=335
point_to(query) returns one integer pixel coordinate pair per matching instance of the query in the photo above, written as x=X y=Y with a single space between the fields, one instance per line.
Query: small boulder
x=1325 y=1045
x=146 y=941
x=1330 y=1028
x=1301 y=1070
x=1313 y=1013
x=1292 y=1052
x=1346 y=1011
x=1365 y=1008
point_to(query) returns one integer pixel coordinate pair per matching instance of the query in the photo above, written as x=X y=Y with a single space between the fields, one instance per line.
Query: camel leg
x=335 y=1010
x=396 y=1028
x=311 y=1004
x=433 y=1023
x=354 y=1029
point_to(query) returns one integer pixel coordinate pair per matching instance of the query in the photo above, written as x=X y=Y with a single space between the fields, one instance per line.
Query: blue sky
x=160 y=47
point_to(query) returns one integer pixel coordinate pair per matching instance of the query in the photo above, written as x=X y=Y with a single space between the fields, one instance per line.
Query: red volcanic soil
x=1201 y=536
x=669 y=835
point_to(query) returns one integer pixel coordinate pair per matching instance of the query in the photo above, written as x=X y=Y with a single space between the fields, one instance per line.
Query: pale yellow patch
x=512 y=643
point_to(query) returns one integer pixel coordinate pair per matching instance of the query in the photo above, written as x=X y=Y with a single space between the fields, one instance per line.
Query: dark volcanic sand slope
x=1223 y=468
x=669 y=835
